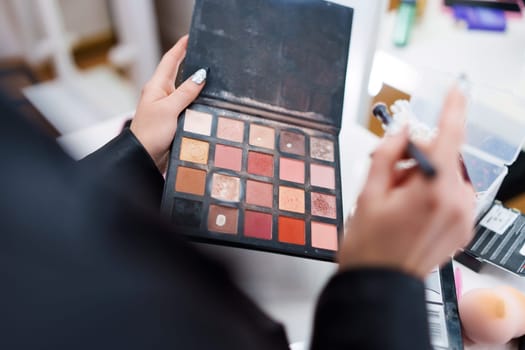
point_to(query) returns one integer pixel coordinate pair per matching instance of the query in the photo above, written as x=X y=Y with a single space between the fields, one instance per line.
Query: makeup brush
x=380 y=111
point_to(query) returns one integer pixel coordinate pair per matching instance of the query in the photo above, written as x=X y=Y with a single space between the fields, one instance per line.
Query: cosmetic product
x=493 y=316
x=507 y=5
x=255 y=160
x=381 y=112
x=406 y=16
x=499 y=240
x=442 y=309
x=480 y=18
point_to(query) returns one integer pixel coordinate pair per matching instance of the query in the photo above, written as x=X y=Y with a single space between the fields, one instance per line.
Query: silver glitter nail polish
x=199 y=76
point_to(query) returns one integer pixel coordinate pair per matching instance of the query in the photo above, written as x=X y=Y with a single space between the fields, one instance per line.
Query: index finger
x=166 y=71
x=451 y=126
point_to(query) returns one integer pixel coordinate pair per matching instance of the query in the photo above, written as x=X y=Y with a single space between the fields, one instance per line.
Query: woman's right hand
x=415 y=224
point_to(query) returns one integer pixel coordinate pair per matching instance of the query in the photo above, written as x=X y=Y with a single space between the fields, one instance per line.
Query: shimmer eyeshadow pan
x=255 y=160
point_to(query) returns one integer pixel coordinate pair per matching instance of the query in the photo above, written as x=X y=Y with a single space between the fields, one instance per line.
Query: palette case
x=442 y=309
x=499 y=240
x=507 y=5
x=255 y=160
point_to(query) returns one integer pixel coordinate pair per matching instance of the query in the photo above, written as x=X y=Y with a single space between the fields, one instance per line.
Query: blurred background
x=76 y=67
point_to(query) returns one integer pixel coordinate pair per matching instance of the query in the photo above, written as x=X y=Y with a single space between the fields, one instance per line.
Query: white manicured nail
x=199 y=76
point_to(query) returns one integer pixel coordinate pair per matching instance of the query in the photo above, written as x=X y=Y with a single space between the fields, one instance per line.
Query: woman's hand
x=155 y=120
x=417 y=223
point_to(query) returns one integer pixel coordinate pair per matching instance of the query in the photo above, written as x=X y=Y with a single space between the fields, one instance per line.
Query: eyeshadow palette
x=255 y=160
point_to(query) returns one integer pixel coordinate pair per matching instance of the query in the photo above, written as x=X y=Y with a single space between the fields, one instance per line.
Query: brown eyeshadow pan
x=190 y=180
x=223 y=219
x=292 y=142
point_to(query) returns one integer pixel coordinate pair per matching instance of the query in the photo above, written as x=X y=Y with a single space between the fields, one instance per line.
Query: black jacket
x=87 y=264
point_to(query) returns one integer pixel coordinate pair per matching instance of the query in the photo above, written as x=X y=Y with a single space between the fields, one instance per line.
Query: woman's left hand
x=160 y=104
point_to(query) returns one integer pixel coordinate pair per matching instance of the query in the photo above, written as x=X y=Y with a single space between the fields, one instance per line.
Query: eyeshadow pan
x=291 y=230
x=223 y=219
x=291 y=199
x=257 y=225
x=228 y=157
x=291 y=170
x=187 y=212
x=194 y=151
x=189 y=180
x=292 y=142
x=197 y=122
x=262 y=136
x=260 y=164
x=323 y=205
x=322 y=176
x=324 y=236
x=226 y=188
x=229 y=129
x=259 y=193
x=322 y=149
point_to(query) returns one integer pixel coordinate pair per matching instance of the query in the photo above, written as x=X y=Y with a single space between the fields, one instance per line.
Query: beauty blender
x=493 y=316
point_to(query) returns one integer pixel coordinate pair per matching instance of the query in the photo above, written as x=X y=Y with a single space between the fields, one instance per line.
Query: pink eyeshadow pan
x=229 y=129
x=324 y=236
x=259 y=193
x=323 y=205
x=322 y=176
x=291 y=170
x=228 y=157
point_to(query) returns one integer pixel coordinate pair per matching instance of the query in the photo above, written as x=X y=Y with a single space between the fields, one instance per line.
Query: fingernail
x=199 y=76
x=463 y=84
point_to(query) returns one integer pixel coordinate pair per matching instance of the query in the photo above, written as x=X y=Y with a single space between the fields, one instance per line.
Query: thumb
x=187 y=92
x=382 y=173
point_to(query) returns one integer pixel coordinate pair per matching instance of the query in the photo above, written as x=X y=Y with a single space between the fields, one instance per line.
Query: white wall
x=9 y=41
x=21 y=30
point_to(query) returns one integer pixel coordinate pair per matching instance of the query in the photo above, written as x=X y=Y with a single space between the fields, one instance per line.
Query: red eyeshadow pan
x=291 y=230
x=257 y=225
x=260 y=164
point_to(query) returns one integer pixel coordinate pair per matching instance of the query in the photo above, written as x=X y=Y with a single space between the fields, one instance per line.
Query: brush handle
x=424 y=164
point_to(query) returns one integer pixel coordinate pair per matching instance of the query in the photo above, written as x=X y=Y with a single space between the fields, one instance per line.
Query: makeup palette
x=240 y=179
x=255 y=160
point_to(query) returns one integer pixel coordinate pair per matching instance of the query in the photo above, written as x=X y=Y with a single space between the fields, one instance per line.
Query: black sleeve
x=83 y=267
x=126 y=164
x=371 y=309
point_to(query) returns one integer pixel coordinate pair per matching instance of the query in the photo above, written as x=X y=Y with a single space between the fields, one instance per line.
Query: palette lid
x=288 y=57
